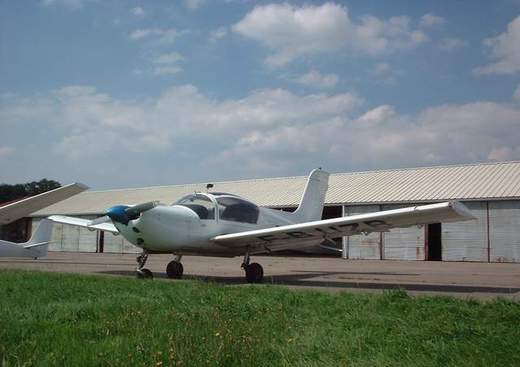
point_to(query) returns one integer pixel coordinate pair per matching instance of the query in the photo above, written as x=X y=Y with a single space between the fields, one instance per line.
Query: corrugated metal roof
x=426 y=184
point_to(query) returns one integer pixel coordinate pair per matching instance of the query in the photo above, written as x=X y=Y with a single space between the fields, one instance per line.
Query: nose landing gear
x=141 y=272
x=174 y=269
x=254 y=271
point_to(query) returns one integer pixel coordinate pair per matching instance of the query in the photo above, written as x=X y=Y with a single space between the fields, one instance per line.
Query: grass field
x=52 y=319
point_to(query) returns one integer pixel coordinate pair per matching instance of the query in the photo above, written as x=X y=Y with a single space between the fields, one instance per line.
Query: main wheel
x=254 y=273
x=174 y=269
x=144 y=274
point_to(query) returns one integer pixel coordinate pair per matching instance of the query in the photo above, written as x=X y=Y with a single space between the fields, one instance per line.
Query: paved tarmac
x=467 y=280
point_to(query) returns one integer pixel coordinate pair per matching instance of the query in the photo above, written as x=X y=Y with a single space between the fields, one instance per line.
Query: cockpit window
x=237 y=210
x=200 y=204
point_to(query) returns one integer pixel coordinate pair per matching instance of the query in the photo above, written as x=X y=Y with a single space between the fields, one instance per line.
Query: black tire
x=174 y=270
x=254 y=273
x=144 y=274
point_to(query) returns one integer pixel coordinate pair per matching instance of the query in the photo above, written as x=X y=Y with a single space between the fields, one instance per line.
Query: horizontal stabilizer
x=36 y=245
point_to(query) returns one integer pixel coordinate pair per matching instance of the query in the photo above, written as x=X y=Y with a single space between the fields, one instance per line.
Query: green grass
x=54 y=319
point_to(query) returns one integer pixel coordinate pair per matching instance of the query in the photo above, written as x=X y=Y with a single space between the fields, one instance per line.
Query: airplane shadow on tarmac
x=304 y=279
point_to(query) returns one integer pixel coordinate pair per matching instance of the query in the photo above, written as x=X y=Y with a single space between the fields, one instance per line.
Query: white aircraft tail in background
x=35 y=247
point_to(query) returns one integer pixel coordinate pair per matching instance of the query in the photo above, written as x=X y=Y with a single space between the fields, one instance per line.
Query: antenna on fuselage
x=209 y=186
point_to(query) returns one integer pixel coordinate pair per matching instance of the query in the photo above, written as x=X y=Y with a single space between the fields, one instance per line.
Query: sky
x=119 y=94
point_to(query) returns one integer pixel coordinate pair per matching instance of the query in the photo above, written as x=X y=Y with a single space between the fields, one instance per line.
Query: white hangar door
x=87 y=241
x=504 y=229
x=112 y=243
x=361 y=246
x=467 y=241
x=403 y=243
x=117 y=244
x=70 y=238
x=78 y=239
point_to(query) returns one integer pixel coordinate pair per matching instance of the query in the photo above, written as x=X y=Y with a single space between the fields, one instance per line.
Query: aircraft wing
x=22 y=208
x=85 y=223
x=382 y=221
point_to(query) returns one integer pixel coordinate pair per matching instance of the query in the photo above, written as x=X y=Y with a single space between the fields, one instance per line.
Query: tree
x=19 y=191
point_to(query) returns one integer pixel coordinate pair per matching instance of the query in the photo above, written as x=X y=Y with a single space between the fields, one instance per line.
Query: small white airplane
x=222 y=224
x=36 y=247
x=22 y=208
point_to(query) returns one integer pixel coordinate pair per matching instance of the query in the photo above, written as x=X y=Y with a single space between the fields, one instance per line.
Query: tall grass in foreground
x=53 y=319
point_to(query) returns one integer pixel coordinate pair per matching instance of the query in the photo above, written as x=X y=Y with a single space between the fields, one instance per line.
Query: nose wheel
x=141 y=272
x=174 y=269
x=254 y=271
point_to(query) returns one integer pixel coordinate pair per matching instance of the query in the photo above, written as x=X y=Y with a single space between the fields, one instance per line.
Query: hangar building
x=490 y=190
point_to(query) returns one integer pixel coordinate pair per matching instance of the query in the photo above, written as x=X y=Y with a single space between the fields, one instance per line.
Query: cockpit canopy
x=230 y=207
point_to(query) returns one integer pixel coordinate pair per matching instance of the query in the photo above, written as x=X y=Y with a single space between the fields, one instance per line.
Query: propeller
x=124 y=213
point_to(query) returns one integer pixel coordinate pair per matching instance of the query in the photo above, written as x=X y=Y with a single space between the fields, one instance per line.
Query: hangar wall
x=492 y=237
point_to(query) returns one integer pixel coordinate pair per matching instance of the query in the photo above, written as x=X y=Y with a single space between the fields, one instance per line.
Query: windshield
x=237 y=210
x=200 y=204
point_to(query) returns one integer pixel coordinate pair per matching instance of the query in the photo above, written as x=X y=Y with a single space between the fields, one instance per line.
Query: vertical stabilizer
x=311 y=205
x=39 y=241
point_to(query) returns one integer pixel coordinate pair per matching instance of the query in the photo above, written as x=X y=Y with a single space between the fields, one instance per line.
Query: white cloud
x=267 y=132
x=5 y=151
x=516 y=96
x=504 y=154
x=378 y=114
x=166 y=70
x=385 y=73
x=138 y=11
x=193 y=4
x=169 y=58
x=430 y=20
x=315 y=79
x=73 y=4
x=167 y=64
x=217 y=34
x=292 y=32
x=383 y=138
x=505 y=49
x=451 y=43
x=161 y=36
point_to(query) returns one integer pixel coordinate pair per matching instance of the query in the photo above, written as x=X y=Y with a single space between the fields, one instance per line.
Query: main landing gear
x=254 y=271
x=174 y=269
x=141 y=272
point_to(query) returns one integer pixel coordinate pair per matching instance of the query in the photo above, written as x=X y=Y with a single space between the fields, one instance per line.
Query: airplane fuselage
x=178 y=229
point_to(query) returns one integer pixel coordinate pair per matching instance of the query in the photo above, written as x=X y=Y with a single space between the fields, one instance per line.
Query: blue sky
x=136 y=93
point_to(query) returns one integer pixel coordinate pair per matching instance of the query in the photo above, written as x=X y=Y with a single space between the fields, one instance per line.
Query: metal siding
x=403 y=243
x=70 y=238
x=57 y=238
x=477 y=182
x=504 y=228
x=87 y=241
x=113 y=243
x=361 y=246
x=466 y=241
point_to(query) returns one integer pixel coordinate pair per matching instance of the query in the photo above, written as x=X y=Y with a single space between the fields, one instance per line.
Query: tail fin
x=39 y=241
x=311 y=205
